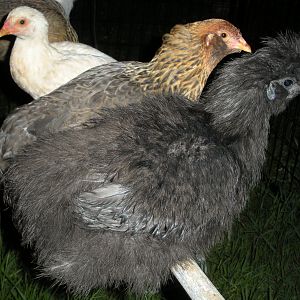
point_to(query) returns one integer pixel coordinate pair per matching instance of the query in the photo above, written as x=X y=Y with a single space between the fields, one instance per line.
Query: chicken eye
x=22 y=22
x=288 y=82
x=223 y=35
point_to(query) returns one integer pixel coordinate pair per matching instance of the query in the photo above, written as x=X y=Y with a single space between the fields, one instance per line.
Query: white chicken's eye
x=223 y=35
x=22 y=22
x=288 y=82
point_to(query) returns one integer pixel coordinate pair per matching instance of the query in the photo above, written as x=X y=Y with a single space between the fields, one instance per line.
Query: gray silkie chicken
x=146 y=186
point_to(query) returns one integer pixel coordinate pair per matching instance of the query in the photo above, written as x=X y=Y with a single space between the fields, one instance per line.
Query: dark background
x=132 y=29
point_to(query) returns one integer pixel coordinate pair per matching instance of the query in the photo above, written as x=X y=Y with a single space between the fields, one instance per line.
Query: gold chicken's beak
x=243 y=45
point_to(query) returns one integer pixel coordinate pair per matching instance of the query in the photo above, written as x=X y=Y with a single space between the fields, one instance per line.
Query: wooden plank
x=195 y=282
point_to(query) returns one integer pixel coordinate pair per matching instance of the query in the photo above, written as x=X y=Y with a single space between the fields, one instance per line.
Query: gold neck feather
x=182 y=64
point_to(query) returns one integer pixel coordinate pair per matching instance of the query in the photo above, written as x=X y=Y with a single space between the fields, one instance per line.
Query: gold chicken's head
x=190 y=52
x=219 y=35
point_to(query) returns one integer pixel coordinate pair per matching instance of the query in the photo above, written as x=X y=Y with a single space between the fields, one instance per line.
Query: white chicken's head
x=25 y=22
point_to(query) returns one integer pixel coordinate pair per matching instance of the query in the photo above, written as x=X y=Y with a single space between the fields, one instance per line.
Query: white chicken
x=57 y=16
x=39 y=67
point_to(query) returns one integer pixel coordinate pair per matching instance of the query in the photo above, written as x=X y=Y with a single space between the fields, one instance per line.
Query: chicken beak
x=243 y=45
x=4 y=32
x=7 y=28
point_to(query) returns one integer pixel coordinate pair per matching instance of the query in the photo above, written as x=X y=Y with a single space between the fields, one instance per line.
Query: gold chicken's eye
x=223 y=35
x=22 y=22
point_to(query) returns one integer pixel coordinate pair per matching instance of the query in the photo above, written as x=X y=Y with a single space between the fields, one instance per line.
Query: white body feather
x=39 y=68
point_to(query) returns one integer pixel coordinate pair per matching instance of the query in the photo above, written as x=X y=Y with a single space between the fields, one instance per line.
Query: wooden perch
x=195 y=282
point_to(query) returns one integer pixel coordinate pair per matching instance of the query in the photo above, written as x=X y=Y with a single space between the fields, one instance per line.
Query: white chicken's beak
x=7 y=28
x=4 y=32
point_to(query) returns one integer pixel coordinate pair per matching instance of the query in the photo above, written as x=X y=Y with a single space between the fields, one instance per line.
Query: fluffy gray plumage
x=146 y=186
